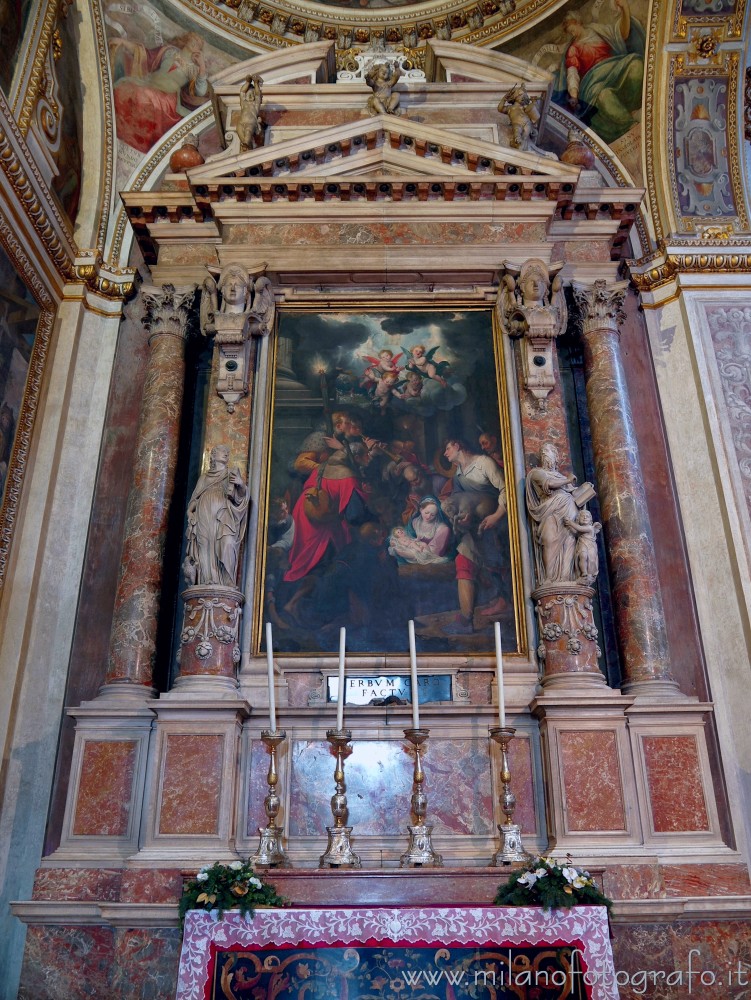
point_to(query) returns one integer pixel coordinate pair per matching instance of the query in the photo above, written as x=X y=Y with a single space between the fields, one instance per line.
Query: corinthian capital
x=600 y=305
x=168 y=310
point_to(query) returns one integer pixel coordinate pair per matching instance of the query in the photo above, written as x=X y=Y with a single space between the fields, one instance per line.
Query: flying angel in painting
x=426 y=365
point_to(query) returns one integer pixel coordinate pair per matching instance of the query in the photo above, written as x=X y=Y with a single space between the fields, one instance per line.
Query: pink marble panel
x=300 y=686
x=105 y=789
x=146 y=962
x=706 y=959
x=101 y=884
x=633 y=882
x=379 y=784
x=520 y=763
x=675 y=790
x=592 y=780
x=66 y=962
x=155 y=885
x=258 y=788
x=479 y=686
x=191 y=784
x=706 y=880
x=424 y=233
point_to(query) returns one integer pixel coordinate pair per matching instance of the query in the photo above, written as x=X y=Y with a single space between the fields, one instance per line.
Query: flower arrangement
x=551 y=884
x=228 y=887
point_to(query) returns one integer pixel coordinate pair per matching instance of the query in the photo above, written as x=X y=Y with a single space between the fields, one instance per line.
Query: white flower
x=541 y=872
x=570 y=874
x=579 y=882
x=201 y=877
x=528 y=878
x=255 y=881
x=235 y=865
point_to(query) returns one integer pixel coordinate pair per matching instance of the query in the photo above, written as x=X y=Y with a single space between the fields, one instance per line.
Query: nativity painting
x=387 y=491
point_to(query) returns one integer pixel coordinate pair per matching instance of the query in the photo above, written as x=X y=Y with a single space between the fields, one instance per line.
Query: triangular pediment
x=386 y=140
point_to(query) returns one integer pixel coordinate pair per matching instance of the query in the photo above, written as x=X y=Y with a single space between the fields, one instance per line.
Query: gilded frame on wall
x=389 y=484
x=26 y=321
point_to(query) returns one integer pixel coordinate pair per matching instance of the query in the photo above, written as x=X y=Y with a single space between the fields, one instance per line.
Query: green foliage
x=228 y=887
x=551 y=884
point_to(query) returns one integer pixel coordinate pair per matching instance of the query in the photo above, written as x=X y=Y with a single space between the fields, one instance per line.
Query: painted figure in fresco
x=155 y=88
x=602 y=70
x=550 y=505
x=479 y=492
x=586 y=559
x=382 y=78
x=249 y=123
x=216 y=523
x=489 y=446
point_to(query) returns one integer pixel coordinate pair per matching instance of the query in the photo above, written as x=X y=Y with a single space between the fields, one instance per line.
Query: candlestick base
x=511 y=850
x=270 y=852
x=420 y=853
x=339 y=853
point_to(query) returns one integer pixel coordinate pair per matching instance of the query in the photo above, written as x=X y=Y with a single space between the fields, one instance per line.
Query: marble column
x=640 y=619
x=133 y=637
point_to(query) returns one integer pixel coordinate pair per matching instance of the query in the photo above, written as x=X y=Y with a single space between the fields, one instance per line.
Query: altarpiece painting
x=387 y=484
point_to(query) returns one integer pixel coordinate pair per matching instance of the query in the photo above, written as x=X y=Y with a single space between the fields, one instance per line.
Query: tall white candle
x=340 y=692
x=413 y=675
x=270 y=665
x=499 y=677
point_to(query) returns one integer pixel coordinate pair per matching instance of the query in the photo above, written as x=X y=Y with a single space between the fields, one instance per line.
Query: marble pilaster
x=640 y=620
x=133 y=637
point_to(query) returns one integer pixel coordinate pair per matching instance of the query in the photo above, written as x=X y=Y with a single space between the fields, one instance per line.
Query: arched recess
x=98 y=130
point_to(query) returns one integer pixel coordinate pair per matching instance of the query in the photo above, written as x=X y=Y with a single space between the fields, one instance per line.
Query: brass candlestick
x=512 y=849
x=420 y=853
x=339 y=853
x=270 y=853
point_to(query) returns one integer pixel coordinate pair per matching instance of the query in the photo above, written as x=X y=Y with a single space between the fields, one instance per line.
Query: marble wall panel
x=101 y=884
x=592 y=780
x=379 y=784
x=479 y=686
x=633 y=882
x=155 y=885
x=258 y=788
x=520 y=762
x=375 y=234
x=191 y=784
x=146 y=963
x=707 y=959
x=706 y=880
x=300 y=687
x=105 y=788
x=69 y=962
x=674 y=781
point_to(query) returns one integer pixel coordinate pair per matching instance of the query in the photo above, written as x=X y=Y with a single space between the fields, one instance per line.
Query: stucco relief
x=730 y=329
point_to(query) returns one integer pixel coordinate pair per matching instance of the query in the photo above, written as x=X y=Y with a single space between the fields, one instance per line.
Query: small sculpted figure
x=522 y=113
x=235 y=287
x=216 y=523
x=586 y=560
x=382 y=78
x=550 y=505
x=249 y=122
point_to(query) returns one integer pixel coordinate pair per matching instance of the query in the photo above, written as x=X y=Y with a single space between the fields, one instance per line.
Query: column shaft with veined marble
x=640 y=618
x=134 y=627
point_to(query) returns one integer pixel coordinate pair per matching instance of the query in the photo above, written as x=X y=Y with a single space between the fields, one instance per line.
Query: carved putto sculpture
x=382 y=77
x=532 y=305
x=564 y=536
x=216 y=523
x=523 y=113
x=249 y=123
x=233 y=309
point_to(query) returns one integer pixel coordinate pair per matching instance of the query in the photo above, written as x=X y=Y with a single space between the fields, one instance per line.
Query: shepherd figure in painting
x=216 y=523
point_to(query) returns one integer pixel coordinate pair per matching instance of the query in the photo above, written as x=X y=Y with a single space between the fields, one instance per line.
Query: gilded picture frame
x=390 y=488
